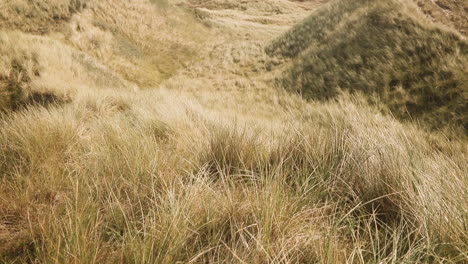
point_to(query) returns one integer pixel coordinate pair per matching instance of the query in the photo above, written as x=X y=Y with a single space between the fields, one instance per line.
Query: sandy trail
x=235 y=66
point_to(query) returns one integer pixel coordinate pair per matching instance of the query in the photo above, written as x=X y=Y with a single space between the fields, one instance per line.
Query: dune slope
x=385 y=49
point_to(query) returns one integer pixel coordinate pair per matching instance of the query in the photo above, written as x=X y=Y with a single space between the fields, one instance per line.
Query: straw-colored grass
x=215 y=165
x=386 y=49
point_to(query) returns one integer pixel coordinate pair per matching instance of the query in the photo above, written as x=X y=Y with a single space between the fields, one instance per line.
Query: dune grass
x=95 y=170
x=38 y=16
x=448 y=12
x=385 y=49
x=145 y=53
x=155 y=178
x=40 y=70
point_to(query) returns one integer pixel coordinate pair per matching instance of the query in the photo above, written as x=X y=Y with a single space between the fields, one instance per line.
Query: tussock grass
x=103 y=172
x=382 y=48
x=155 y=178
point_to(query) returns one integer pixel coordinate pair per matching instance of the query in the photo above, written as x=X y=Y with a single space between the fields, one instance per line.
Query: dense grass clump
x=140 y=179
x=384 y=49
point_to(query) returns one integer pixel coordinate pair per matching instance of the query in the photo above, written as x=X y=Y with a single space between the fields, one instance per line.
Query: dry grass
x=215 y=166
x=38 y=16
x=154 y=178
x=384 y=49
x=36 y=69
x=146 y=42
x=448 y=12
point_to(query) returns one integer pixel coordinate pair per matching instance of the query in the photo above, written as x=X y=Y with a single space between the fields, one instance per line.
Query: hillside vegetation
x=38 y=16
x=448 y=12
x=384 y=49
x=150 y=131
x=40 y=70
x=144 y=41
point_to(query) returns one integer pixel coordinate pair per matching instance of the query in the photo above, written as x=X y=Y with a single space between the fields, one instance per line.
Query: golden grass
x=155 y=178
x=143 y=41
x=383 y=48
x=448 y=12
x=35 y=69
x=38 y=16
x=215 y=166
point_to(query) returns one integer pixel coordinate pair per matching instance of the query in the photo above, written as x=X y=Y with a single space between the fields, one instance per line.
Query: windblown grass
x=107 y=173
x=154 y=178
x=37 y=16
x=144 y=41
x=384 y=49
x=39 y=70
x=448 y=12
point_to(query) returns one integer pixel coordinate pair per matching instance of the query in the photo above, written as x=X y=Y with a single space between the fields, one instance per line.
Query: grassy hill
x=144 y=41
x=40 y=70
x=384 y=49
x=54 y=49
